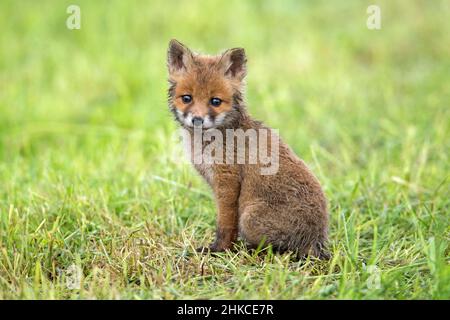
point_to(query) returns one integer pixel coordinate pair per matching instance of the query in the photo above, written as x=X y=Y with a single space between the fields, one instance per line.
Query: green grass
x=90 y=172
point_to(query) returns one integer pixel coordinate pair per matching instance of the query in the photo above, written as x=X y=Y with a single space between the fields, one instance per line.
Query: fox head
x=205 y=91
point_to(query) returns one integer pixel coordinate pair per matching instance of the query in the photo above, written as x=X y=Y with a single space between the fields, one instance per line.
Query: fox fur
x=287 y=210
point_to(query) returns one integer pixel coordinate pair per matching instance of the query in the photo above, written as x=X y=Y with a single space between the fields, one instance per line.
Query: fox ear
x=178 y=56
x=234 y=63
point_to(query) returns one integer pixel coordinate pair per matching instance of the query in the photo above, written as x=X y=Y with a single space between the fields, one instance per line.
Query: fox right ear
x=178 y=56
x=233 y=62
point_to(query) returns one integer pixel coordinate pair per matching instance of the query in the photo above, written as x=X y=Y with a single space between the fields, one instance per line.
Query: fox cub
x=287 y=209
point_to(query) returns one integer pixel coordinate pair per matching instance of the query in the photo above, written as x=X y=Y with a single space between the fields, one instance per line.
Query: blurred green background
x=88 y=162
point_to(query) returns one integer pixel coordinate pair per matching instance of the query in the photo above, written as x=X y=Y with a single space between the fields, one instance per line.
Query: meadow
x=97 y=203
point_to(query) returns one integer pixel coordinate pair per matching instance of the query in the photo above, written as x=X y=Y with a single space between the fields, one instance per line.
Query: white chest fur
x=193 y=153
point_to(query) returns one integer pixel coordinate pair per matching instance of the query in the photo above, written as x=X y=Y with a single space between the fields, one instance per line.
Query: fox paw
x=213 y=248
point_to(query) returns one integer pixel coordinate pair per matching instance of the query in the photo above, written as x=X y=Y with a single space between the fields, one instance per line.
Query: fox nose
x=197 y=121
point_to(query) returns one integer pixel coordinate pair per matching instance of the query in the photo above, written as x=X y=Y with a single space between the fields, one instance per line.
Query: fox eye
x=186 y=99
x=216 y=102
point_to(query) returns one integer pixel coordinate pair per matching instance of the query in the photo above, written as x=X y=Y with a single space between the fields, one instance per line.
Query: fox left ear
x=179 y=57
x=234 y=63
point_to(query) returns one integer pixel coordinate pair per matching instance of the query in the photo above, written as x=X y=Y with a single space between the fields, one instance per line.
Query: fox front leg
x=226 y=188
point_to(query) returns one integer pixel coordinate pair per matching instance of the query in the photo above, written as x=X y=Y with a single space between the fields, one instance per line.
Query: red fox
x=286 y=209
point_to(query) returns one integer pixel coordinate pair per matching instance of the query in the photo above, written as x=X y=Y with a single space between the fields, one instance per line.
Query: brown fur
x=287 y=210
